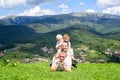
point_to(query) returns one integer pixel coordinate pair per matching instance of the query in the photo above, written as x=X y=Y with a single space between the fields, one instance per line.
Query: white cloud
x=82 y=3
x=112 y=10
x=90 y=10
x=1 y=17
x=39 y=1
x=65 y=11
x=65 y=8
x=37 y=11
x=108 y=3
x=11 y=3
x=110 y=6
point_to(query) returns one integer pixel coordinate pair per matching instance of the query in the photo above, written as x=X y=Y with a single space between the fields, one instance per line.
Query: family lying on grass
x=64 y=58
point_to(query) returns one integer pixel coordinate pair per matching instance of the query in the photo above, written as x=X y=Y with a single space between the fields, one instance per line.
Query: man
x=63 y=62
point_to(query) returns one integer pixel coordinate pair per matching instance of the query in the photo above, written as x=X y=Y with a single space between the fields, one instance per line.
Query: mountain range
x=84 y=28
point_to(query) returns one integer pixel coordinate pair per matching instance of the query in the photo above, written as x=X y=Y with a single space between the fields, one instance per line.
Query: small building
x=45 y=49
x=51 y=50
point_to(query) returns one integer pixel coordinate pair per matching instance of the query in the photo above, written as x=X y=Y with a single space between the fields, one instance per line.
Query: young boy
x=59 y=42
x=66 y=38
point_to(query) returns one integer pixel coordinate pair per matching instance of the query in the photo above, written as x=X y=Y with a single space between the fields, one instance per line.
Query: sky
x=53 y=7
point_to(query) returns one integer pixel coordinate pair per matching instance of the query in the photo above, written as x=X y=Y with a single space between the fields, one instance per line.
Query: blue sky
x=52 y=7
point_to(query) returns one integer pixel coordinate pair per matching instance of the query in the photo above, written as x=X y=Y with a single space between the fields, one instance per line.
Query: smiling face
x=62 y=56
x=66 y=38
x=64 y=47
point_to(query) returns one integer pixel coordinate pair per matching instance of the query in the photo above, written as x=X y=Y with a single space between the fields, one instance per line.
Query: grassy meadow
x=41 y=71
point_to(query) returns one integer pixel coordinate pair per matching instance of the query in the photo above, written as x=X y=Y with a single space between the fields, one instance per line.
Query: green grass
x=15 y=56
x=41 y=71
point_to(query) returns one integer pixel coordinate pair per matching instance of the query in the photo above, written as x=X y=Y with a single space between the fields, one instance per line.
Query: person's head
x=62 y=56
x=66 y=37
x=59 y=37
x=64 y=47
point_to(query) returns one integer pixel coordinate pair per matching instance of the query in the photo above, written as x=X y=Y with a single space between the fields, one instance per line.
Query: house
x=50 y=50
x=44 y=49
x=109 y=52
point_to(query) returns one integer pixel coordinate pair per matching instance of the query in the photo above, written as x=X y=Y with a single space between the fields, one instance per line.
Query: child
x=59 y=42
x=59 y=39
x=67 y=40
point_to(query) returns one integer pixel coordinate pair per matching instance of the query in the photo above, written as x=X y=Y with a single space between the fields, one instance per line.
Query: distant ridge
x=19 y=29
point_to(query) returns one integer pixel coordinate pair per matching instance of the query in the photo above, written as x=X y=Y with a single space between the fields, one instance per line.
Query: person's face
x=59 y=39
x=62 y=57
x=64 y=47
x=66 y=39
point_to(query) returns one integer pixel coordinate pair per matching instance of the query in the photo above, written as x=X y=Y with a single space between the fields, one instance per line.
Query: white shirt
x=70 y=52
x=66 y=62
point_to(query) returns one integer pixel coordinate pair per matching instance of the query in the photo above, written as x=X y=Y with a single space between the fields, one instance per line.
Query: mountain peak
x=10 y=16
x=84 y=14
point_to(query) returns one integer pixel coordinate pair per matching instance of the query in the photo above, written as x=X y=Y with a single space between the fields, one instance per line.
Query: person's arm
x=69 y=44
x=71 y=53
x=67 y=64
x=67 y=68
x=56 y=56
x=57 y=45
x=54 y=65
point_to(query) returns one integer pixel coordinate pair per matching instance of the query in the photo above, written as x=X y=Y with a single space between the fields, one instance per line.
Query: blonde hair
x=59 y=36
x=62 y=53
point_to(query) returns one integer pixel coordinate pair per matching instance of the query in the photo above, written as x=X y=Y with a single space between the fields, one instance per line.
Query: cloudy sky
x=52 y=7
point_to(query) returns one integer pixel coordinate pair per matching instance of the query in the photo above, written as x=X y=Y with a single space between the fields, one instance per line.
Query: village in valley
x=81 y=54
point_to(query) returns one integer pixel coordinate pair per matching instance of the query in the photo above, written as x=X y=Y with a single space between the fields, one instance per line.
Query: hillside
x=97 y=31
x=104 y=24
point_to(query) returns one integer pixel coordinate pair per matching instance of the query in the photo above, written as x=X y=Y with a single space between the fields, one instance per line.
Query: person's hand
x=62 y=63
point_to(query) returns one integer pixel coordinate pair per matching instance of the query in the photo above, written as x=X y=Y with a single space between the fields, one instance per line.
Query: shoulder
x=68 y=58
x=70 y=49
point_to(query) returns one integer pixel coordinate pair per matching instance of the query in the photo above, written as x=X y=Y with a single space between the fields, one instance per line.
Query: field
x=41 y=71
